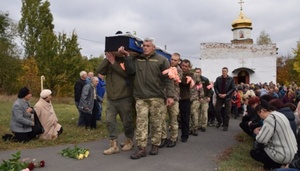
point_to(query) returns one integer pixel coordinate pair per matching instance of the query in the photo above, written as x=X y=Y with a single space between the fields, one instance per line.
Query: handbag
x=38 y=128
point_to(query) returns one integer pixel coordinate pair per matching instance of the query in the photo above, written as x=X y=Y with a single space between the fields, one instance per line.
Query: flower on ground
x=86 y=154
x=16 y=163
x=25 y=169
x=76 y=153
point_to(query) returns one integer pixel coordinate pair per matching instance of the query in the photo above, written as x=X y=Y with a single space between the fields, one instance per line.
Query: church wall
x=260 y=59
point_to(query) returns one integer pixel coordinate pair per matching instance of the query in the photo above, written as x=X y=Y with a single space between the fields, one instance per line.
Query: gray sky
x=180 y=25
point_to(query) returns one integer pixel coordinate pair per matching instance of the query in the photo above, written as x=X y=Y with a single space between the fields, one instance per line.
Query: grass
x=238 y=158
x=67 y=115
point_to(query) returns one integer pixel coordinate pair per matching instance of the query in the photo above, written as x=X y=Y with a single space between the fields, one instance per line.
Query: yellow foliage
x=30 y=77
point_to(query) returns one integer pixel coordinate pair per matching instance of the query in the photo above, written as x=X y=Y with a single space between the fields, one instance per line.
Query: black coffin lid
x=112 y=43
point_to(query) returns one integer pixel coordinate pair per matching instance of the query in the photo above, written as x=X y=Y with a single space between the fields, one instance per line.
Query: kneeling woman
x=277 y=137
x=47 y=116
x=22 y=117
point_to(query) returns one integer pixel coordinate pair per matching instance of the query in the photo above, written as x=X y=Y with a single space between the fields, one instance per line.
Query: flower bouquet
x=76 y=152
x=16 y=164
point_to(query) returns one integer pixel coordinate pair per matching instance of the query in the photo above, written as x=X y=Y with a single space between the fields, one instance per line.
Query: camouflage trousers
x=172 y=112
x=203 y=113
x=149 y=111
x=195 y=104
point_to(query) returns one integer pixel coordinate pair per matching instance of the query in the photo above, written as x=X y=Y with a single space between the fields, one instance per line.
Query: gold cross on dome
x=241 y=3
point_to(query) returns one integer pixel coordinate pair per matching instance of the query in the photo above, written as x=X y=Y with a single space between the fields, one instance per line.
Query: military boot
x=128 y=144
x=140 y=153
x=154 y=150
x=113 y=148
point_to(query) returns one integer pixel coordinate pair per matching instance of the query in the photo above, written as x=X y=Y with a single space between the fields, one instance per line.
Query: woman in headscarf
x=45 y=112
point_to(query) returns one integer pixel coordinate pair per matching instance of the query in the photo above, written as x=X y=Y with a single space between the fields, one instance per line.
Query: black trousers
x=90 y=119
x=261 y=156
x=24 y=136
x=220 y=102
x=185 y=111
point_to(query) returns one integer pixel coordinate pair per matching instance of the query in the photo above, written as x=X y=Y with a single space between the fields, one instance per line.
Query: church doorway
x=243 y=77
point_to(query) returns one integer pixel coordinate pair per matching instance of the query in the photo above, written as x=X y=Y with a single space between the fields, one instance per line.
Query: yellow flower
x=86 y=154
x=80 y=156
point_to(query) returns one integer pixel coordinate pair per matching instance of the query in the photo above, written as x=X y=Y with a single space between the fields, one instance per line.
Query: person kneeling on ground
x=22 y=117
x=279 y=141
x=46 y=114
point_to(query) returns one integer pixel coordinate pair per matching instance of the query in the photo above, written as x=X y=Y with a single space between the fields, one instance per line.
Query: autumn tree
x=58 y=57
x=296 y=52
x=9 y=55
x=263 y=39
x=30 y=77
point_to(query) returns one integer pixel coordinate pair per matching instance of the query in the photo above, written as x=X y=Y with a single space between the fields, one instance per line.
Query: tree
x=296 y=52
x=58 y=57
x=263 y=39
x=10 y=62
x=67 y=63
x=30 y=76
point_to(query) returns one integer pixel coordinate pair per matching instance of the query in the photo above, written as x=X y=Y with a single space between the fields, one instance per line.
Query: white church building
x=246 y=62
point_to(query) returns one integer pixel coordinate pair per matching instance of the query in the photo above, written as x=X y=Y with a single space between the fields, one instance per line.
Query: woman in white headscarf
x=47 y=116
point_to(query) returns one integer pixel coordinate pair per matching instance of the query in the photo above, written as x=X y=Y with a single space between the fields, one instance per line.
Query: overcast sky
x=180 y=25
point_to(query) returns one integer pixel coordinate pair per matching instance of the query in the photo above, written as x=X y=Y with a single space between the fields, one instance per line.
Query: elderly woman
x=22 y=117
x=276 y=134
x=47 y=116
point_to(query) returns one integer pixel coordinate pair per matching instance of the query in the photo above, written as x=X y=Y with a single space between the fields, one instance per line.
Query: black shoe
x=195 y=133
x=184 y=140
x=163 y=143
x=171 y=144
x=225 y=128
x=218 y=125
x=203 y=129
x=154 y=150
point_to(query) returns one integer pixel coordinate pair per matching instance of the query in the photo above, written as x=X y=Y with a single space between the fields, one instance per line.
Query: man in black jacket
x=224 y=86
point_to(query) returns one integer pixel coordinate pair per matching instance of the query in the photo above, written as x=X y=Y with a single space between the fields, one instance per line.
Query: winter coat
x=21 y=120
x=48 y=119
x=86 y=103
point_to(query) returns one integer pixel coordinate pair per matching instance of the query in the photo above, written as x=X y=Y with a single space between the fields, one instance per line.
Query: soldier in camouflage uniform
x=204 y=97
x=195 y=104
x=150 y=87
x=173 y=110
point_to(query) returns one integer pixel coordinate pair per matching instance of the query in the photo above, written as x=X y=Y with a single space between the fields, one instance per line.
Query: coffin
x=163 y=53
x=131 y=44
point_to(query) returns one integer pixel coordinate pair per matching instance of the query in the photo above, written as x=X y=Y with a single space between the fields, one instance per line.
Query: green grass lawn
x=238 y=158
x=67 y=115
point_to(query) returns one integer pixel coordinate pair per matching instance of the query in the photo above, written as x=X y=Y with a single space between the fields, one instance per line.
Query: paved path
x=199 y=153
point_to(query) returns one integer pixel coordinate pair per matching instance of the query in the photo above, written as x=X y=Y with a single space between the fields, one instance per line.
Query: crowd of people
x=271 y=118
x=156 y=98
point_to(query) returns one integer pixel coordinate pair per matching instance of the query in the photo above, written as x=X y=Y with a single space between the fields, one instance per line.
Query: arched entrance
x=242 y=75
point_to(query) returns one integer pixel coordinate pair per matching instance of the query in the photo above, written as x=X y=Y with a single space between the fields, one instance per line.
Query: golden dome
x=241 y=22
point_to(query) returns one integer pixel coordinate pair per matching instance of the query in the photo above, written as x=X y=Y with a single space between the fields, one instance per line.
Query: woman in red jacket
x=235 y=103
